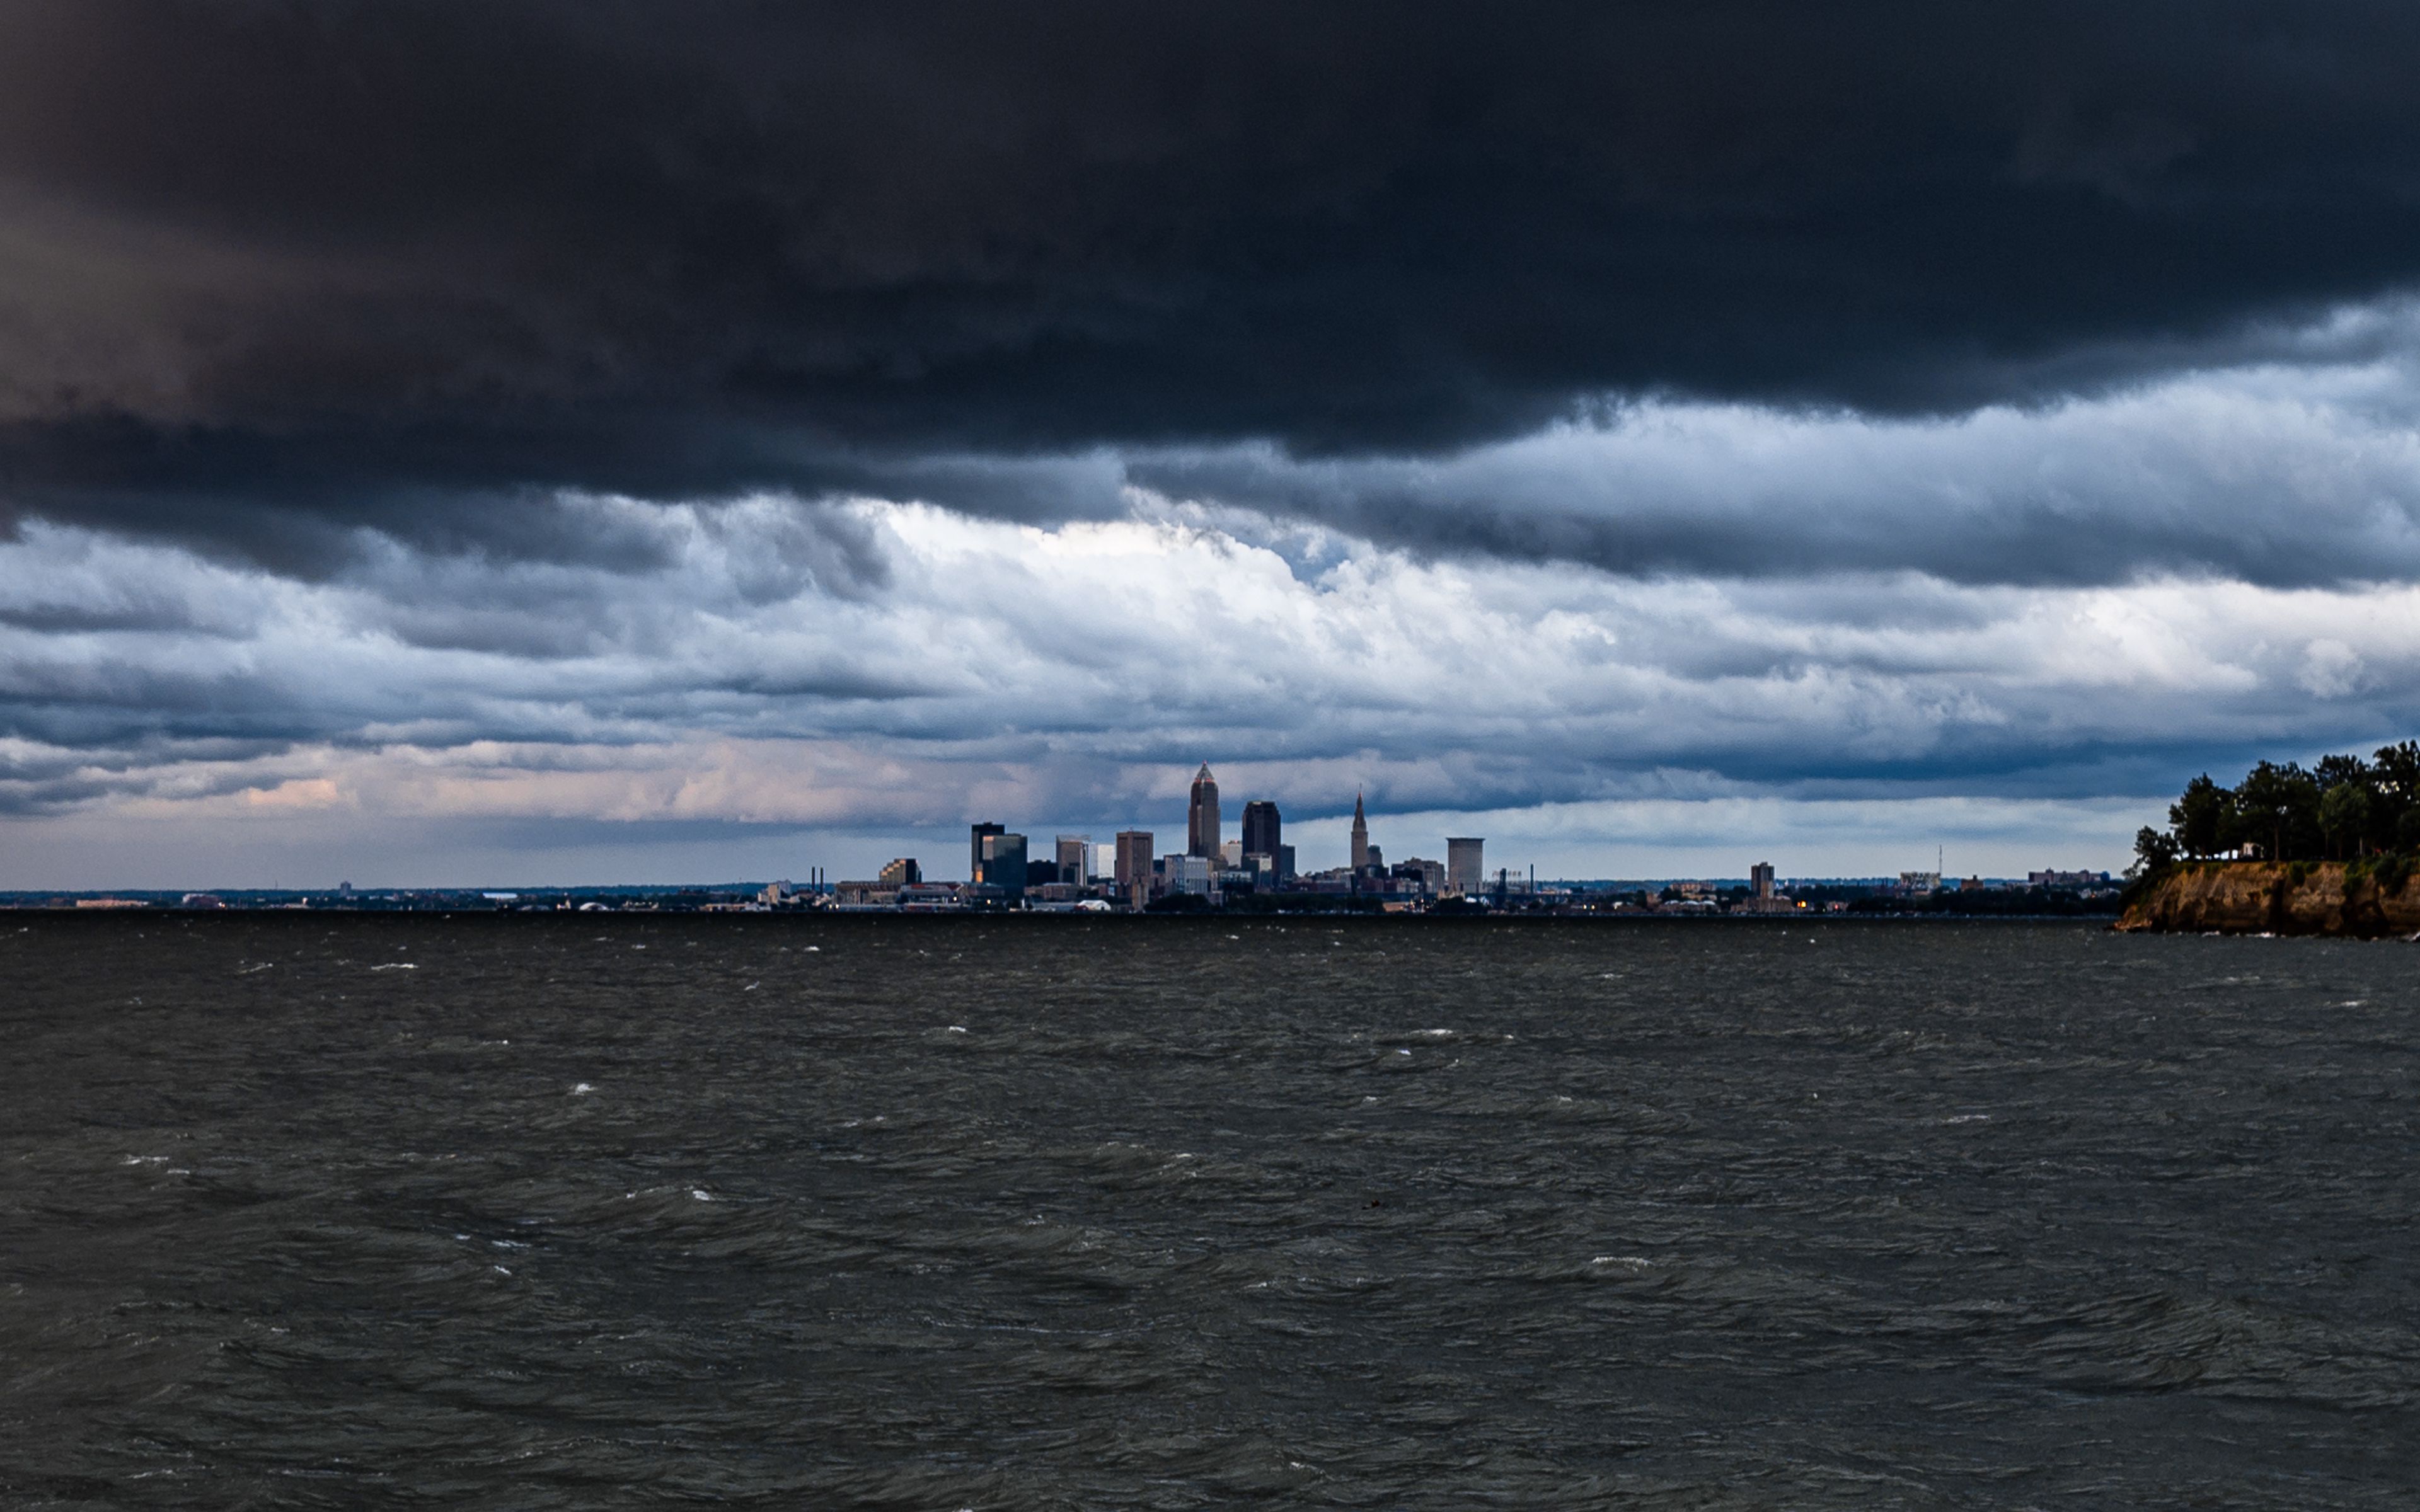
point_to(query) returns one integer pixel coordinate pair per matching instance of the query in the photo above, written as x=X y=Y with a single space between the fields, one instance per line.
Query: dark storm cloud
x=269 y=270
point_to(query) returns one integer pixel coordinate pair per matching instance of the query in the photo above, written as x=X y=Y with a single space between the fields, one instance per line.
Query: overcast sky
x=614 y=441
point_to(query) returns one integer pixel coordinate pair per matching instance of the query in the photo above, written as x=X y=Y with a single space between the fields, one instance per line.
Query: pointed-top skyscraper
x=1360 y=835
x=1201 y=817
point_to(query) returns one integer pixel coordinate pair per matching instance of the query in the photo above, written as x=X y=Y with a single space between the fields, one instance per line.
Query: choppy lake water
x=347 y=1212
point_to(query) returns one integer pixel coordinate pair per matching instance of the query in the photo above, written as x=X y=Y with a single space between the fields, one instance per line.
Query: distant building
x=1429 y=875
x=1360 y=859
x=1760 y=897
x=902 y=872
x=1919 y=882
x=1374 y=859
x=1465 y=871
x=1133 y=867
x=1230 y=855
x=974 y=849
x=1261 y=828
x=1186 y=873
x=1003 y=864
x=1201 y=816
x=2069 y=880
x=1075 y=855
x=1285 y=859
x=1042 y=875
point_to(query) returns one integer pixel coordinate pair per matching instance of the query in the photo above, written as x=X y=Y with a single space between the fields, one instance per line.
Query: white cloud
x=1069 y=676
x=2331 y=668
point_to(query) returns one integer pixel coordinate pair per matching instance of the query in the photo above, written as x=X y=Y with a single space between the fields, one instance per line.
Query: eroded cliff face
x=2255 y=897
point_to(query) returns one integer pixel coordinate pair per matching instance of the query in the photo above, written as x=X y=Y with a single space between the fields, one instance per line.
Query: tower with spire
x=1360 y=836
x=1201 y=817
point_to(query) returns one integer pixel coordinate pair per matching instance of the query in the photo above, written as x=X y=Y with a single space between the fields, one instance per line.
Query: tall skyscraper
x=1201 y=816
x=1003 y=863
x=1260 y=827
x=1133 y=872
x=974 y=849
x=1465 y=868
x=1360 y=836
x=1072 y=852
x=1759 y=880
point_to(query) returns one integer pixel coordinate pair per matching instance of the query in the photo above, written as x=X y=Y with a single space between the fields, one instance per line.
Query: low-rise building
x=929 y=897
x=1180 y=872
x=2068 y=881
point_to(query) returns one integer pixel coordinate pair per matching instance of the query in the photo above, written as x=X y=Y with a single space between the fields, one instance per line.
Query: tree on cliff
x=2395 y=777
x=2200 y=819
x=2275 y=805
x=2348 y=804
x=2155 y=853
x=2343 y=805
x=2344 y=817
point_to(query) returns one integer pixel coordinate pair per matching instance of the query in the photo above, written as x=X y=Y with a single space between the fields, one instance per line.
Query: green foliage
x=2155 y=853
x=2277 y=808
x=2394 y=868
x=2345 y=815
x=2343 y=806
x=2200 y=818
x=2332 y=772
x=2397 y=773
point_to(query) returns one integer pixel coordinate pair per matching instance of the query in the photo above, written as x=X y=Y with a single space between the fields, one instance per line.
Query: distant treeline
x=2342 y=808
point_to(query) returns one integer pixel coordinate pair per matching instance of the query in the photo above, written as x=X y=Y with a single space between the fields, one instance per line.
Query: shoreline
x=2341 y=899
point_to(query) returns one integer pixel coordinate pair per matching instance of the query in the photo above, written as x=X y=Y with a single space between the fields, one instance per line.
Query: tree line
x=2341 y=809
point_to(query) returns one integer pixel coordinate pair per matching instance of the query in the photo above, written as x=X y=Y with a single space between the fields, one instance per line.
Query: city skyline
x=1837 y=839
x=1464 y=863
